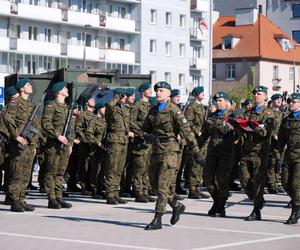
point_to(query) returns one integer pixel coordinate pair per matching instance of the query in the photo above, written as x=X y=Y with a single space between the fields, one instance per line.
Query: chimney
x=246 y=16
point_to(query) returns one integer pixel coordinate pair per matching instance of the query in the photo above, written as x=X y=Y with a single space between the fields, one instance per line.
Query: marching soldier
x=21 y=150
x=162 y=125
x=255 y=149
x=58 y=146
x=289 y=135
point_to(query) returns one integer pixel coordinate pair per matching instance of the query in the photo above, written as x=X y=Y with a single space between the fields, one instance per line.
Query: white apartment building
x=41 y=35
x=176 y=43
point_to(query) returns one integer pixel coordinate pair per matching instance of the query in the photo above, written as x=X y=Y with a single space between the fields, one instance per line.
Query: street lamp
x=84 y=48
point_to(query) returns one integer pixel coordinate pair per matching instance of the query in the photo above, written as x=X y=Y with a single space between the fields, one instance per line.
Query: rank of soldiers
x=144 y=148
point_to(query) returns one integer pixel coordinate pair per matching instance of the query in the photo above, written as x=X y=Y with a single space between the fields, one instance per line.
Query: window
x=181 y=50
x=49 y=3
x=286 y=45
x=122 y=43
x=182 y=21
x=214 y=71
x=32 y=33
x=168 y=18
x=181 y=79
x=153 y=16
x=153 y=76
x=108 y=42
x=88 y=40
x=168 y=48
x=230 y=71
x=78 y=39
x=18 y=27
x=168 y=77
x=296 y=35
x=275 y=72
x=110 y=10
x=152 y=46
x=198 y=52
x=122 y=12
x=47 y=35
x=84 y=6
x=196 y=80
x=291 y=73
x=227 y=43
x=296 y=10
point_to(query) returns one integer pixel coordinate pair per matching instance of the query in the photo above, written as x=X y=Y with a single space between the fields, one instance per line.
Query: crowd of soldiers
x=128 y=148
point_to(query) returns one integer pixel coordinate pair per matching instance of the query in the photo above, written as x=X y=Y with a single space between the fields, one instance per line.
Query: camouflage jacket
x=195 y=114
x=96 y=130
x=82 y=124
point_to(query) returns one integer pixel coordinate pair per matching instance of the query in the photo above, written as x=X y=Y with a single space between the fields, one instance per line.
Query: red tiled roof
x=258 y=40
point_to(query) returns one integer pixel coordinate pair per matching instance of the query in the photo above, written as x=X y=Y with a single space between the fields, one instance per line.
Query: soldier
x=220 y=154
x=141 y=151
x=21 y=150
x=163 y=124
x=58 y=146
x=255 y=149
x=247 y=104
x=195 y=114
x=289 y=135
x=95 y=135
x=84 y=150
x=273 y=170
x=117 y=118
x=212 y=106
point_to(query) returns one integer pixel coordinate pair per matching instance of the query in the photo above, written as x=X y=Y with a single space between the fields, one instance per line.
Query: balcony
x=5 y=8
x=82 y=19
x=198 y=64
x=39 y=13
x=120 y=56
x=37 y=47
x=120 y=24
x=76 y=52
x=198 y=34
x=200 y=5
x=4 y=41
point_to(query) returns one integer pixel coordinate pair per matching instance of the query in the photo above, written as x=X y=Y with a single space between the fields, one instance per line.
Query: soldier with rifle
x=58 y=122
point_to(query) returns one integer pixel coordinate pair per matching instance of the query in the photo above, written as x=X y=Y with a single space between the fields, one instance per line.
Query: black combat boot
x=193 y=195
x=120 y=200
x=203 y=195
x=63 y=203
x=16 y=206
x=155 y=223
x=180 y=190
x=178 y=197
x=27 y=207
x=8 y=200
x=255 y=215
x=84 y=191
x=111 y=201
x=213 y=210
x=141 y=198
x=95 y=194
x=178 y=209
x=53 y=204
x=149 y=198
x=295 y=216
x=289 y=205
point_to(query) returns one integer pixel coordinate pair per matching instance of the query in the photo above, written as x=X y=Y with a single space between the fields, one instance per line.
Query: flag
x=243 y=123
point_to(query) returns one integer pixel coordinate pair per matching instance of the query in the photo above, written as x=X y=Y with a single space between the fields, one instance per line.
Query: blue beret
x=87 y=97
x=21 y=83
x=144 y=86
x=276 y=96
x=260 y=89
x=58 y=86
x=175 y=92
x=99 y=105
x=153 y=101
x=197 y=90
x=221 y=94
x=162 y=85
x=247 y=102
x=293 y=96
x=10 y=91
x=130 y=91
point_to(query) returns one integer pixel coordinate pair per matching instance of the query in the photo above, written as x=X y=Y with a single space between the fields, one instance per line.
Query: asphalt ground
x=91 y=224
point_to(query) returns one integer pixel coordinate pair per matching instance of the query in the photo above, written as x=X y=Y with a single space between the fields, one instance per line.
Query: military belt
x=293 y=146
x=163 y=140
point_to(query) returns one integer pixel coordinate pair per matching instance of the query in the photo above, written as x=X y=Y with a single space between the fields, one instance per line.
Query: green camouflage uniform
x=254 y=159
x=56 y=156
x=195 y=114
x=82 y=123
x=166 y=126
x=15 y=118
x=117 y=118
x=94 y=135
x=289 y=135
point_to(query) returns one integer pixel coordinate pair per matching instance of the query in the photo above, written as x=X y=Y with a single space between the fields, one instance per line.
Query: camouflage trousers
x=20 y=170
x=161 y=178
x=253 y=170
x=273 y=170
x=95 y=175
x=56 y=159
x=290 y=179
x=83 y=164
x=141 y=163
x=217 y=173
x=115 y=163
x=179 y=160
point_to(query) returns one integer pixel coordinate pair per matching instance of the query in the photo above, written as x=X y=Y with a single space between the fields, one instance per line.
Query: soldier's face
x=130 y=99
x=248 y=107
x=91 y=102
x=221 y=103
x=176 y=99
x=64 y=92
x=27 y=89
x=294 y=105
x=102 y=111
x=15 y=96
x=260 y=97
x=147 y=93
x=212 y=108
x=277 y=102
x=200 y=96
x=162 y=94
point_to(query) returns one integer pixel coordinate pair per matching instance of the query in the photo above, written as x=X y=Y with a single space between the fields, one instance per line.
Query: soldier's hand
x=130 y=134
x=70 y=150
x=22 y=140
x=199 y=159
x=76 y=141
x=63 y=139
x=150 y=138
